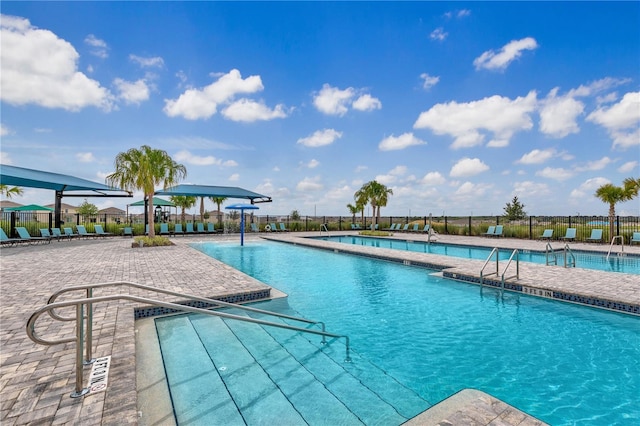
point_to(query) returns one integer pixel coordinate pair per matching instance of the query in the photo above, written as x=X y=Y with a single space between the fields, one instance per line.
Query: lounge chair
x=101 y=232
x=547 y=234
x=24 y=234
x=596 y=236
x=164 y=229
x=635 y=238
x=274 y=228
x=570 y=235
x=211 y=228
x=178 y=229
x=426 y=229
x=127 y=231
x=44 y=232
x=392 y=227
x=490 y=232
x=82 y=231
x=283 y=228
x=189 y=229
x=200 y=228
x=416 y=228
x=4 y=240
x=254 y=228
x=69 y=233
x=57 y=233
x=497 y=231
x=405 y=228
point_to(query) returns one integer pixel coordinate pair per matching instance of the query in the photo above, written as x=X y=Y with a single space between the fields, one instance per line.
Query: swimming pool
x=584 y=259
x=561 y=363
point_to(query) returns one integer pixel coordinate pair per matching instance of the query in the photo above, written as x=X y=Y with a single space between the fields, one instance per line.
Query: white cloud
x=621 y=120
x=433 y=179
x=132 y=92
x=196 y=104
x=595 y=165
x=558 y=174
x=147 y=62
x=234 y=177
x=464 y=121
x=5 y=158
x=629 y=166
x=309 y=184
x=438 y=34
x=187 y=157
x=333 y=101
x=40 y=68
x=85 y=157
x=428 y=80
x=99 y=46
x=558 y=114
x=464 y=12
x=470 y=190
x=537 y=156
x=248 y=110
x=387 y=179
x=360 y=169
x=367 y=102
x=313 y=164
x=398 y=171
x=320 y=138
x=588 y=188
x=403 y=141
x=509 y=52
x=531 y=189
x=468 y=167
x=4 y=130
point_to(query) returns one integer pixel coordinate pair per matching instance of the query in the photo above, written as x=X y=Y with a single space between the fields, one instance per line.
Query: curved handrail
x=515 y=253
x=497 y=251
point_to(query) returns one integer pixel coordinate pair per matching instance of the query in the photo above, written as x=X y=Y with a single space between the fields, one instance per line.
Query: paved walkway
x=35 y=380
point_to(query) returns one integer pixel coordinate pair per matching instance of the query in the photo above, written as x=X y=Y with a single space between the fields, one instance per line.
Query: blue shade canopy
x=156 y=202
x=19 y=176
x=215 y=191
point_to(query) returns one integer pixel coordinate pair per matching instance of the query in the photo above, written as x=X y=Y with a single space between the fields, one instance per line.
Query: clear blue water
x=565 y=364
x=587 y=260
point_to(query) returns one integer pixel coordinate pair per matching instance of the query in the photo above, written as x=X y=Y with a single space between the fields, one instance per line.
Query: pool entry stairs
x=230 y=372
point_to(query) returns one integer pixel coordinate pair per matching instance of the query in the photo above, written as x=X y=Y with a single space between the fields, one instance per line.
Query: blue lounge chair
x=164 y=229
x=635 y=238
x=490 y=231
x=24 y=234
x=44 y=232
x=82 y=231
x=405 y=228
x=426 y=228
x=283 y=228
x=69 y=233
x=497 y=231
x=127 y=231
x=178 y=229
x=596 y=236
x=393 y=227
x=570 y=235
x=547 y=234
x=211 y=228
x=200 y=228
x=189 y=229
x=100 y=232
x=57 y=233
x=5 y=240
x=254 y=228
x=416 y=228
x=274 y=228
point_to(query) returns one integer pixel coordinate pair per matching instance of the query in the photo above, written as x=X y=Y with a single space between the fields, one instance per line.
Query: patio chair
x=24 y=234
x=416 y=228
x=426 y=229
x=178 y=229
x=570 y=235
x=5 y=240
x=200 y=228
x=101 y=232
x=127 y=231
x=274 y=228
x=283 y=228
x=254 y=228
x=82 y=231
x=69 y=233
x=189 y=229
x=211 y=228
x=164 y=229
x=596 y=236
x=635 y=238
x=547 y=234
x=497 y=231
x=490 y=231
x=44 y=232
x=57 y=233
x=405 y=228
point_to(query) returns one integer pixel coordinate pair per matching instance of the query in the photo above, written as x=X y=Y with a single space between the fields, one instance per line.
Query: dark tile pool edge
x=250 y=296
x=588 y=301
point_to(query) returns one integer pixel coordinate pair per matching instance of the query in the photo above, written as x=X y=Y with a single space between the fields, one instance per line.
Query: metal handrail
x=515 y=253
x=615 y=237
x=572 y=260
x=549 y=250
x=324 y=227
x=495 y=250
x=80 y=317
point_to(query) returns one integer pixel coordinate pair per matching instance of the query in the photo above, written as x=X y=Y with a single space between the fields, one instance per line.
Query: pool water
x=587 y=260
x=562 y=363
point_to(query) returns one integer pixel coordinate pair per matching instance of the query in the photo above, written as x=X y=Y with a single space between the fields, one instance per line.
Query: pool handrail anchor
x=89 y=301
x=615 y=237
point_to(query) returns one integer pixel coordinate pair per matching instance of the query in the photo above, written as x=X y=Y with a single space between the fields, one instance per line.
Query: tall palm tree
x=144 y=169
x=9 y=192
x=611 y=194
x=378 y=196
x=354 y=210
x=218 y=201
x=361 y=198
x=184 y=202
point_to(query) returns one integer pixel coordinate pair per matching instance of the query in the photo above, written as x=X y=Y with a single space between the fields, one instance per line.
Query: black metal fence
x=529 y=228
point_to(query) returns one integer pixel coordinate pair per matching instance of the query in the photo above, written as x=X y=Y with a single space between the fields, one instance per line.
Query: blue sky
x=456 y=106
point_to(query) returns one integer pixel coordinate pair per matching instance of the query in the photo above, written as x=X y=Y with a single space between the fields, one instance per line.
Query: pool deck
x=36 y=380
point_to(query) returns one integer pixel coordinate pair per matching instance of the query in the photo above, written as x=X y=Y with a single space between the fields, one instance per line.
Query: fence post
x=446 y=229
x=470 y=226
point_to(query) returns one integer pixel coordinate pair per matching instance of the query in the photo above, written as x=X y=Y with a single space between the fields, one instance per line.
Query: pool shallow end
x=471 y=406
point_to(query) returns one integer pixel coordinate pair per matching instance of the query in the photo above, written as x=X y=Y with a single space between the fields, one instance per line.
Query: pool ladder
x=85 y=339
x=515 y=254
x=551 y=256
x=613 y=240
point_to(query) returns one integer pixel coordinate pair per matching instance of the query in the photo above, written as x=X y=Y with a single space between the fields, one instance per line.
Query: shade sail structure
x=19 y=176
x=29 y=208
x=215 y=191
x=156 y=202
x=242 y=208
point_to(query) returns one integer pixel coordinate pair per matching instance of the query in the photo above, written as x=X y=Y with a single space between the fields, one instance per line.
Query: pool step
x=274 y=376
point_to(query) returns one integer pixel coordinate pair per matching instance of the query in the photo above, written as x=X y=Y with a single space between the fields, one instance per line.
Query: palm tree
x=611 y=194
x=9 y=192
x=184 y=202
x=361 y=198
x=218 y=201
x=377 y=194
x=354 y=210
x=144 y=169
